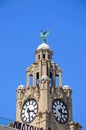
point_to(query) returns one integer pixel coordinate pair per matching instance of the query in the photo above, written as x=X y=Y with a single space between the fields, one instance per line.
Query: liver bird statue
x=43 y=35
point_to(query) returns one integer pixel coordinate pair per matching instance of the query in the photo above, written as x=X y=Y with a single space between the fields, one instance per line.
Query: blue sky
x=20 y=25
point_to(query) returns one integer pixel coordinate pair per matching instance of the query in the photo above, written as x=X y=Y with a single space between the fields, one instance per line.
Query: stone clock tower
x=42 y=102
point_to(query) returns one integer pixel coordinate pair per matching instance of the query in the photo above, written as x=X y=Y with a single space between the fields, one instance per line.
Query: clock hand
x=28 y=113
x=60 y=110
x=28 y=110
x=64 y=113
x=31 y=110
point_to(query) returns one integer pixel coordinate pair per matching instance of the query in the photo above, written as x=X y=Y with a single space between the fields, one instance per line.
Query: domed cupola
x=43 y=51
x=43 y=46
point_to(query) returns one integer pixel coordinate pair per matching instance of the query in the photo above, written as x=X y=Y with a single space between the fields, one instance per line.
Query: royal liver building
x=42 y=103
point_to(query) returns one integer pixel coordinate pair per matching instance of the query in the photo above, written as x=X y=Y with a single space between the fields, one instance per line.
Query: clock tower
x=42 y=102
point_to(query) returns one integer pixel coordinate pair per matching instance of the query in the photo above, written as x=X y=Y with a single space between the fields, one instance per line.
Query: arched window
x=38 y=56
x=50 y=79
x=37 y=78
x=43 y=56
x=56 y=80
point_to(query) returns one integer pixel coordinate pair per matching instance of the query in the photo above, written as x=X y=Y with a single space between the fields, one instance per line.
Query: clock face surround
x=60 y=111
x=29 y=110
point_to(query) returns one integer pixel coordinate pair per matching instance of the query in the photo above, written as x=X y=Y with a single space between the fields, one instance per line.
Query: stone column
x=27 y=80
x=46 y=55
x=53 y=76
x=34 y=76
x=40 y=55
x=40 y=69
x=60 y=77
x=44 y=68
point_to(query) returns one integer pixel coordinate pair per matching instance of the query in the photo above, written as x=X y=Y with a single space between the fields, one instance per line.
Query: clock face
x=60 y=111
x=29 y=110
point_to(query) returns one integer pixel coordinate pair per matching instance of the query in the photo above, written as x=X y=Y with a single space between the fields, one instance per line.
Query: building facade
x=44 y=102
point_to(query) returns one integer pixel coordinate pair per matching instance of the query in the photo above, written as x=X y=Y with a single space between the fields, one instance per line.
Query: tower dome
x=66 y=87
x=43 y=46
x=21 y=86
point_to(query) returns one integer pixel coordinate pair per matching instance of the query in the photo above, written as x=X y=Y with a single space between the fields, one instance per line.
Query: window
x=37 y=78
x=50 y=75
x=38 y=56
x=56 y=80
x=50 y=79
x=43 y=56
x=49 y=128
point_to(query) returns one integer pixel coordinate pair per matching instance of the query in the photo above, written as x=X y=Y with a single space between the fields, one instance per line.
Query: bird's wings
x=46 y=33
x=41 y=33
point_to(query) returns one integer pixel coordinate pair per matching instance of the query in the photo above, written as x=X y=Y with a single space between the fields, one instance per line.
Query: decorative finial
x=43 y=35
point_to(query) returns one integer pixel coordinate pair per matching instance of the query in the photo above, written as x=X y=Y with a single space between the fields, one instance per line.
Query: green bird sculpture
x=43 y=35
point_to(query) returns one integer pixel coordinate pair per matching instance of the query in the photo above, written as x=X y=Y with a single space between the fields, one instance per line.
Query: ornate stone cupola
x=44 y=102
x=44 y=66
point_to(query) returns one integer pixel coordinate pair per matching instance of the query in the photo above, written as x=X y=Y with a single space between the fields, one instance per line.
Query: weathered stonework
x=44 y=90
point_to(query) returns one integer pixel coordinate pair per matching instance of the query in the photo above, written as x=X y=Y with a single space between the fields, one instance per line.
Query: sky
x=20 y=25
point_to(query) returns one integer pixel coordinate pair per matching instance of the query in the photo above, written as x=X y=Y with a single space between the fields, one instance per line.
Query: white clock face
x=29 y=110
x=60 y=111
